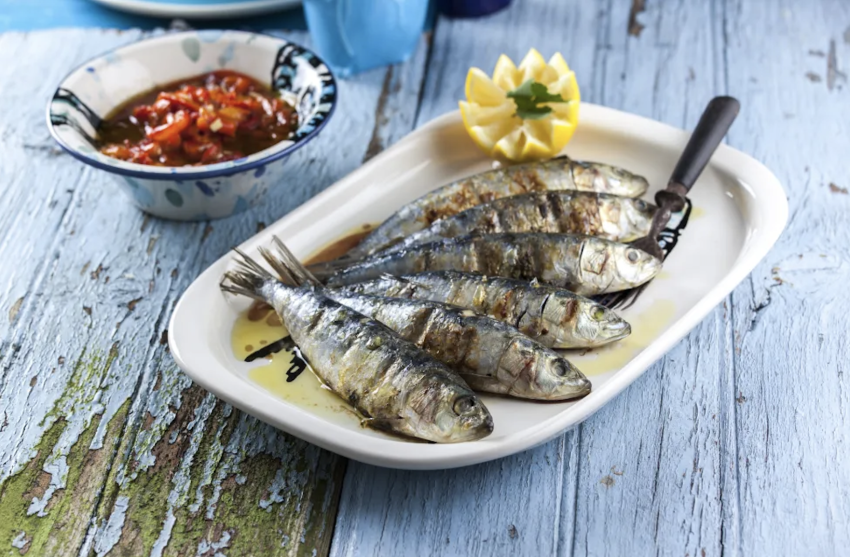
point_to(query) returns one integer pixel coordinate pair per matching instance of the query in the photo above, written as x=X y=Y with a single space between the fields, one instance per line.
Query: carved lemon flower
x=523 y=113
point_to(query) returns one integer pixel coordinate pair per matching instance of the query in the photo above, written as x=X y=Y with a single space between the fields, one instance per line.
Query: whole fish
x=396 y=386
x=560 y=173
x=612 y=217
x=554 y=317
x=583 y=264
x=491 y=356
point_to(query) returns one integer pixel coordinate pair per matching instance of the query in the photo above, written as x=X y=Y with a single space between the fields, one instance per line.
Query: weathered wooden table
x=735 y=443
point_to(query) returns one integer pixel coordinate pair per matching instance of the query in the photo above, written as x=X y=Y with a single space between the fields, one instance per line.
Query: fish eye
x=463 y=405
x=632 y=255
x=640 y=204
x=560 y=368
x=598 y=313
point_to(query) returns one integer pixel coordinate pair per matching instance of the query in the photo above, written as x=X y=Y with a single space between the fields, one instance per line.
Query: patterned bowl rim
x=228 y=168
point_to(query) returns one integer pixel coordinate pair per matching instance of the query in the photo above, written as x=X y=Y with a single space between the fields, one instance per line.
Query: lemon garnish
x=523 y=113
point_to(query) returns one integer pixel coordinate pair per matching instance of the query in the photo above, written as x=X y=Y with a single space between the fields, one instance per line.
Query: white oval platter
x=739 y=212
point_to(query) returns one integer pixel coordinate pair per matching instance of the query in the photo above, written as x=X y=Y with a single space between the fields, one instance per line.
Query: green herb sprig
x=529 y=98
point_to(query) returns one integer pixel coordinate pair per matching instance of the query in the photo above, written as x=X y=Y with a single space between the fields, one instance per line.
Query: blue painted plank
x=790 y=318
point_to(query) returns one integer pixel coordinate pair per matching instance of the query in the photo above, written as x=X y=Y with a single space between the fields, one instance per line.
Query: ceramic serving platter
x=739 y=211
x=207 y=9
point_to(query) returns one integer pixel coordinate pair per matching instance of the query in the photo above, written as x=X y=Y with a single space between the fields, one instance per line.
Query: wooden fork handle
x=712 y=127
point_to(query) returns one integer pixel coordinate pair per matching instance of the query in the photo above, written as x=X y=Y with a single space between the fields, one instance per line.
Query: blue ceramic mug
x=356 y=35
x=470 y=8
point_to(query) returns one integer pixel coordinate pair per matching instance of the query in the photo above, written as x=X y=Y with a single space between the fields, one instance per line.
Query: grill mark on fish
x=543 y=208
x=555 y=174
x=543 y=304
x=314 y=321
x=570 y=310
x=382 y=375
x=518 y=320
x=567 y=212
x=506 y=300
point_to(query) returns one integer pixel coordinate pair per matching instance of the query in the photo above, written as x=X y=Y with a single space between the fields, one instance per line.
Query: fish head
x=638 y=214
x=633 y=267
x=554 y=378
x=612 y=266
x=600 y=177
x=597 y=325
x=448 y=412
x=623 y=182
x=625 y=218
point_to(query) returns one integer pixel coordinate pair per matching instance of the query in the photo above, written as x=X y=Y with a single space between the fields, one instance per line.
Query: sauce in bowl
x=207 y=119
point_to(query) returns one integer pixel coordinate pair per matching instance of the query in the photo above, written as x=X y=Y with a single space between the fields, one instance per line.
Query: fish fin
x=283 y=272
x=287 y=265
x=327 y=268
x=247 y=279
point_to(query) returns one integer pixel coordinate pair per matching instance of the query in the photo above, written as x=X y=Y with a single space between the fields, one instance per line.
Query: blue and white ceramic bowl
x=96 y=88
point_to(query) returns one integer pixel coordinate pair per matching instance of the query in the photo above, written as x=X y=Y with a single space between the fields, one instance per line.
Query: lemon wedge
x=523 y=113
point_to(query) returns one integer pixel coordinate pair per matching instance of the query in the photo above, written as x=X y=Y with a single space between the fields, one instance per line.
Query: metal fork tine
x=626 y=298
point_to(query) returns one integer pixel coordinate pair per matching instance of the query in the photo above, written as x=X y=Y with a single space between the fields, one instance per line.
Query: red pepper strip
x=211 y=153
x=173 y=127
x=201 y=94
x=228 y=127
x=161 y=106
x=180 y=99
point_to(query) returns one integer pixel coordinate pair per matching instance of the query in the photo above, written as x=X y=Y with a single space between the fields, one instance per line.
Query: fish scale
x=560 y=173
x=584 y=264
x=490 y=355
x=392 y=383
x=606 y=216
x=553 y=316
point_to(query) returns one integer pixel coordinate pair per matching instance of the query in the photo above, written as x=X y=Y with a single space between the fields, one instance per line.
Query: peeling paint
x=77 y=406
x=20 y=541
x=111 y=533
x=16 y=307
x=94 y=473
x=205 y=547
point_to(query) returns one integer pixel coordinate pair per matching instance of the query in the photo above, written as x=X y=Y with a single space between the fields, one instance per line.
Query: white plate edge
x=213 y=11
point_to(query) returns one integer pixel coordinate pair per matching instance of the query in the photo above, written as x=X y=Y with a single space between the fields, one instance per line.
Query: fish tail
x=287 y=265
x=247 y=279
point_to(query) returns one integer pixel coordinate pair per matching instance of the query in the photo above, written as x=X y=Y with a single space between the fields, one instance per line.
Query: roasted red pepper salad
x=211 y=118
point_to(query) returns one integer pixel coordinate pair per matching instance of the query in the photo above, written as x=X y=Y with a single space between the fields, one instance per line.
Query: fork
x=715 y=121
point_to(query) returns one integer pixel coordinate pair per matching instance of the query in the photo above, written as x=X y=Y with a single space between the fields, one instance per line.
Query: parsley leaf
x=529 y=98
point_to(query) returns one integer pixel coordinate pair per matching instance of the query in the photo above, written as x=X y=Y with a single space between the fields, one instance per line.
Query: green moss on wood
x=238 y=522
x=70 y=508
x=296 y=521
x=63 y=528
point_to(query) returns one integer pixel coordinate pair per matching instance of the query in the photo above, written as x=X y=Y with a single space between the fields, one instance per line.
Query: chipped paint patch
x=212 y=548
x=21 y=541
x=112 y=531
x=61 y=528
x=204 y=478
x=16 y=307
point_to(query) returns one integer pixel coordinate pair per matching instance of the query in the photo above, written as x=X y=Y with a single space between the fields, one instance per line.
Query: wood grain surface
x=107 y=448
x=735 y=443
